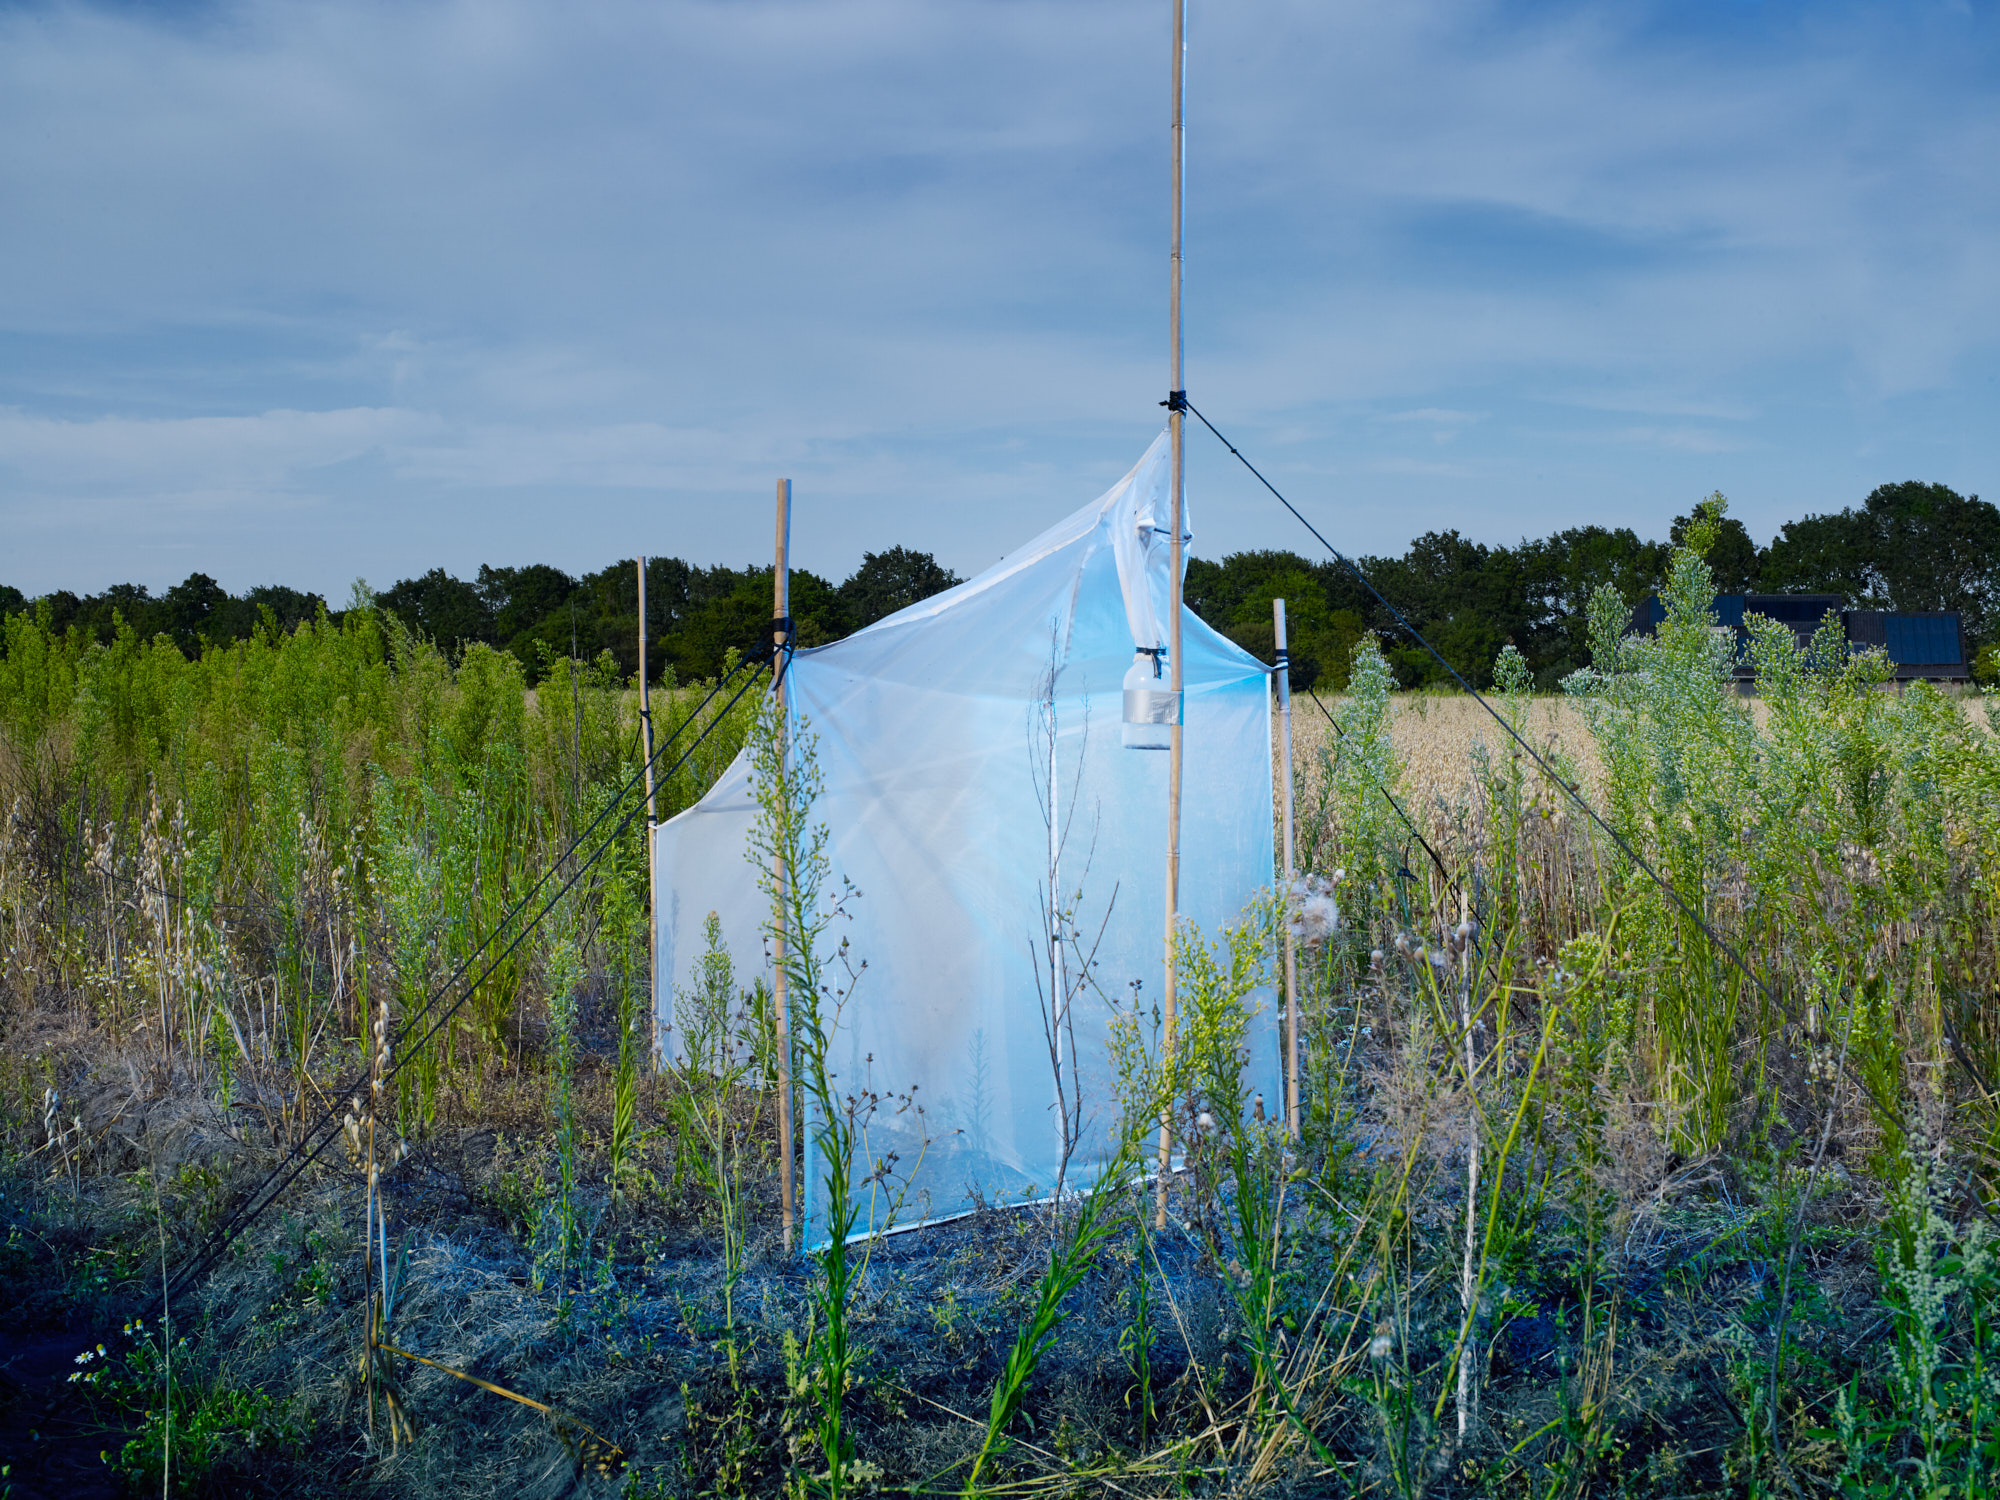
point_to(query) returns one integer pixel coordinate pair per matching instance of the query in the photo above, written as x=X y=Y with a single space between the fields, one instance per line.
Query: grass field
x=1605 y=1183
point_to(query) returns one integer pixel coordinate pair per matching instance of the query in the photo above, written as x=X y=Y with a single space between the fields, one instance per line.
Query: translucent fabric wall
x=945 y=733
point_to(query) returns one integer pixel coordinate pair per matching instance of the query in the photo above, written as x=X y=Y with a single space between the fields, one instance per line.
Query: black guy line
x=250 y=1208
x=1727 y=949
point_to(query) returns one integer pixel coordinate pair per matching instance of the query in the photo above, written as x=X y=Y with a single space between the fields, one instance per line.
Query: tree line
x=1909 y=546
x=695 y=615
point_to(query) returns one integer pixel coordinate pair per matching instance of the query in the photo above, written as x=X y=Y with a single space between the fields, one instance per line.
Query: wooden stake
x=781 y=609
x=1285 y=803
x=652 y=825
x=1177 y=433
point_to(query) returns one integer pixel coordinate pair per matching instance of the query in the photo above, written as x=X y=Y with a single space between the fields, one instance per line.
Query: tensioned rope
x=1408 y=822
x=267 y=908
x=254 y=1204
x=1178 y=400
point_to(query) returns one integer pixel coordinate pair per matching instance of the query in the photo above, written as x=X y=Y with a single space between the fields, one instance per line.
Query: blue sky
x=303 y=292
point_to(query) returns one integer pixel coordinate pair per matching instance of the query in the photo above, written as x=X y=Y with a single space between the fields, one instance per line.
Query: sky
x=321 y=290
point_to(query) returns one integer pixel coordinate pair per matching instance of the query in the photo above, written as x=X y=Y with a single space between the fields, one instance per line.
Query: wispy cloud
x=1429 y=468
x=1680 y=439
x=1438 y=416
x=421 y=278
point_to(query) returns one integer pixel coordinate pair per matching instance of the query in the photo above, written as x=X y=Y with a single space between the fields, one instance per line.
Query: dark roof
x=1921 y=643
x=1926 y=640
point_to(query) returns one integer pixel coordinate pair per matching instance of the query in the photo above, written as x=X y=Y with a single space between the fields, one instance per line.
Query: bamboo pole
x=1284 y=672
x=652 y=825
x=781 y=609
x=1177 y=433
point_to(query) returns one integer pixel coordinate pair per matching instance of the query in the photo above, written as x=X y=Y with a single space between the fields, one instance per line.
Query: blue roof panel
x=1923 y=640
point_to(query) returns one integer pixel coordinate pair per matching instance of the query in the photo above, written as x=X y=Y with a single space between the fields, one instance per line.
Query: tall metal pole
x=1176 y=429
x=781 y=609
x=1284 y=670
x=652 y=822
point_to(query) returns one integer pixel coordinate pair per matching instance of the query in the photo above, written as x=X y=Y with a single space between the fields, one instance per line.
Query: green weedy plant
x=1237 y=1151
x=626 y=919
x=559 y=1248
x=1679 y=752
x=408 y=870
x=786 y=781
x=1940 y=1432
x=714 y=738
x=620 y=890
x=197 y=1436
x=1104 y=1211
x=712 y=1142
x=1359 y=771
x=1503 y=790
x=480 y=818
x=1136 y=1341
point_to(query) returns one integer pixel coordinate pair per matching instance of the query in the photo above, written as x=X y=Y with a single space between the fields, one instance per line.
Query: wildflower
x=1313 y=913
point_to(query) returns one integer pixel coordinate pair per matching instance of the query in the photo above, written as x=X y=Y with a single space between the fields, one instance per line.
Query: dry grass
x=1435 y=736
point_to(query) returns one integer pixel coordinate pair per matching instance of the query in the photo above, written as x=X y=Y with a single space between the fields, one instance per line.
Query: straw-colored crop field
x=1435 y=736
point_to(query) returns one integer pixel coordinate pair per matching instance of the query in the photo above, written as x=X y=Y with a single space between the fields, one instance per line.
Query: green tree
x=1558 y=577
x=888 y=581
x=1822 y=555
x=1235 y=597
x=237 y=619
x=440 y=608
x=1911 y=545
x=526 y=604
x=190 y=610
x=1936 y=549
